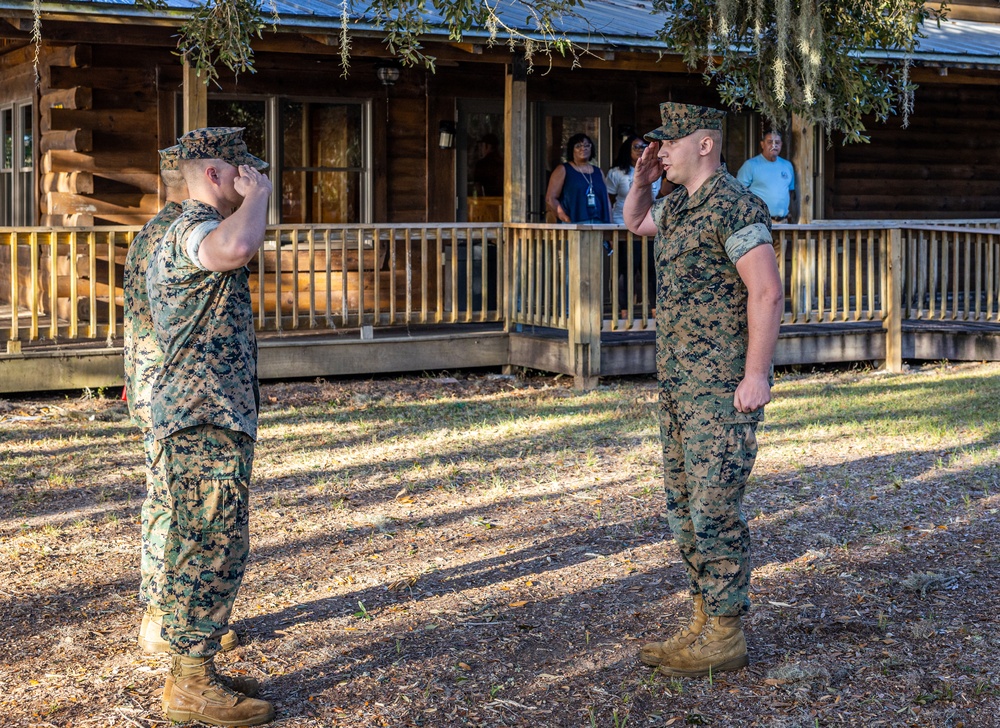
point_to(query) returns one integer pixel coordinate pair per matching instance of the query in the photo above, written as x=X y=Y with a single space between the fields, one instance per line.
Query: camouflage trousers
x=708 y=452
x=155 y=520
x=207 y=474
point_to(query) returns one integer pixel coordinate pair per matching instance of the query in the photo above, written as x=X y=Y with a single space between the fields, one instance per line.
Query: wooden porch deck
x=626 y=353
x=75 y=365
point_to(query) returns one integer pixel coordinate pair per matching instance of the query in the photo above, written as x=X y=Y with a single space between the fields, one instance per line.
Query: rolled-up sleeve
x=746 y=239
x=194 y=239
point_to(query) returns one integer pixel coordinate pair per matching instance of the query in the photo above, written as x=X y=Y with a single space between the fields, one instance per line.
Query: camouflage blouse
x=143 y=356
x=204 y=325
x=701 y=301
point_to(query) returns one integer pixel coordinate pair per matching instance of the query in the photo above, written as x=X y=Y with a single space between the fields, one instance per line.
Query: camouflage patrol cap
x=219 y=142
x=679 y=120
x=169 y=158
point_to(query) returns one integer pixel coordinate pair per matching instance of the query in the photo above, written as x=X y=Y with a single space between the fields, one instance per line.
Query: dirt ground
x=479 y=550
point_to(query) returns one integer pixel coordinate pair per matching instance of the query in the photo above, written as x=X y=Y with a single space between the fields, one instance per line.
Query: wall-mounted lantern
x=446 y=135
x=388 y=72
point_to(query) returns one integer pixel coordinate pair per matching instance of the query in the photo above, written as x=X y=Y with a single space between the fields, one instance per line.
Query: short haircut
x=172 y=178
x=776 y=133
x=191 y=169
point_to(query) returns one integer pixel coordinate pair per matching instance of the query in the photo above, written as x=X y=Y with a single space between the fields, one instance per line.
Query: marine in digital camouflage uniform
x=718 y=309
x=204 y=407
x=142 y=361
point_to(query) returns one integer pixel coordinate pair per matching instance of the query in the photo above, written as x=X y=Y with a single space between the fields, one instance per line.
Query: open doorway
x=479 y=145
x=554 y=123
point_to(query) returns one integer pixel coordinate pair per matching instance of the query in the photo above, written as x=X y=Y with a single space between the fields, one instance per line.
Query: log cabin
x=365 y=145
x=379 y=160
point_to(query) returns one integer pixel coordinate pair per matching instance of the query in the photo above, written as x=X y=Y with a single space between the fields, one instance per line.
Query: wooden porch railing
x=542 y=257
x=65 y=285
x=952 y=274
x=378 y=275
x=61 y=283
x=556 y=281
x=832 y=272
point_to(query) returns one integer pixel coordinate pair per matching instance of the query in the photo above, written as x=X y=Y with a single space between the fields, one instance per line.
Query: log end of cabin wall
x=78 y=220
x=97 y=151
x=79 y=183
x=74 y=140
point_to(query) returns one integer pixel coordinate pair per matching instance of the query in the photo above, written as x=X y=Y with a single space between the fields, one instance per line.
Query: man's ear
x=212 y=174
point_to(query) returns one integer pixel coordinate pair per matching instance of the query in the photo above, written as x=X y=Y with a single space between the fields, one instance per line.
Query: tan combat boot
x=246 y=685
x=199 y=694
x=720 y=647
x=654 y=653
x=151 y=641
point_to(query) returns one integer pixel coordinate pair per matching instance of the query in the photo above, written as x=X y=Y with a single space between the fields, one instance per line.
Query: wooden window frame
x=19 y=208
x=274 y=153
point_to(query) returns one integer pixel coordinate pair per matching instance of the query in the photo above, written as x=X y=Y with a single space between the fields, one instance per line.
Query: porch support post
x=586 y=261
x=195 y=93
x=509 y=255
x=893 y=314
x=515 y=134
x=803 y=144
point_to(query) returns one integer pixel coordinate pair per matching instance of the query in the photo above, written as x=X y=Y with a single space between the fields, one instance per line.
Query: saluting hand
x=647 y=167
x=251 y=180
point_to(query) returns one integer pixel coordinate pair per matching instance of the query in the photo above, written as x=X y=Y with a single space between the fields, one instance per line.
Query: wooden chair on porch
x=486 y=209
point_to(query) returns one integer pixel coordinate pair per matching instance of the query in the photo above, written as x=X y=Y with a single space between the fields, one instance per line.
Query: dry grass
x=488 y=551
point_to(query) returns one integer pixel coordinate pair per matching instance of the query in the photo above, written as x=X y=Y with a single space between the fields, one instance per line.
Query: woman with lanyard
x=576 y=192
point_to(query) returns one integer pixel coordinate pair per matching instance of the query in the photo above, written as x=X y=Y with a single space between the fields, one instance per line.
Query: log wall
x=17 y=74
x=98 y=135
x=945 y=165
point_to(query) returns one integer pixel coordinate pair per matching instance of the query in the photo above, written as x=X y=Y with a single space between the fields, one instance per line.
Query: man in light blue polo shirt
x=770 y=177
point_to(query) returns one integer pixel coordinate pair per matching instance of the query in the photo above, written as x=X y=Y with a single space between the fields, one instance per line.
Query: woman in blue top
x=576 y=192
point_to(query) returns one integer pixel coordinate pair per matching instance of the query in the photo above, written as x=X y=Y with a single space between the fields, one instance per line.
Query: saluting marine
x=718 y=308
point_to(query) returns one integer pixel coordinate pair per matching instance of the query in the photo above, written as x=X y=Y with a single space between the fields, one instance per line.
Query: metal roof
x=961 y=39
x=611 y=24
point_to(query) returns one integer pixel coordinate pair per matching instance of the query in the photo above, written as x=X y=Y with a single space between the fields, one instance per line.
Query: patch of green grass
x=925 y=406
x=985 y=688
